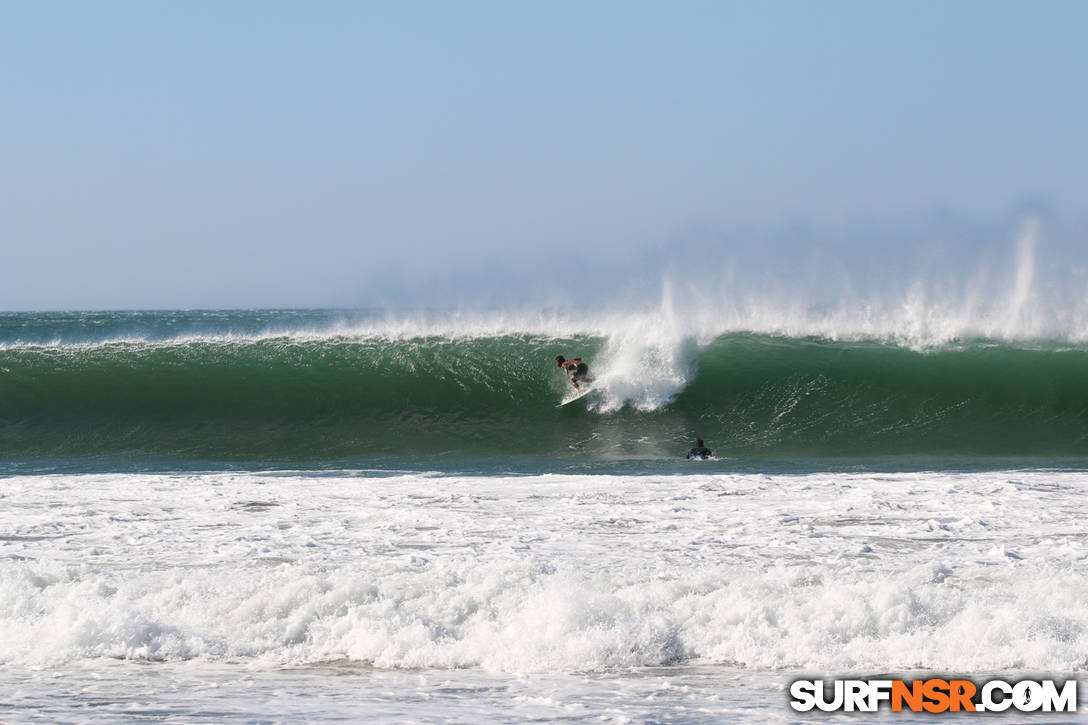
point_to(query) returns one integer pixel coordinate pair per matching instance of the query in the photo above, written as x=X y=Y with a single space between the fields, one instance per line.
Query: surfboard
x=578 y=395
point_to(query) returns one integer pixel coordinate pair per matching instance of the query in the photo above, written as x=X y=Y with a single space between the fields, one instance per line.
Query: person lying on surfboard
x=575 y=369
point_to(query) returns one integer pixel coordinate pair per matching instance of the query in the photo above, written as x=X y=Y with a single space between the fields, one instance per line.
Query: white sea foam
x=964 y=573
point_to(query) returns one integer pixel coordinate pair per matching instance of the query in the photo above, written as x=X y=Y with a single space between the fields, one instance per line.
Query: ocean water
x=311 y=516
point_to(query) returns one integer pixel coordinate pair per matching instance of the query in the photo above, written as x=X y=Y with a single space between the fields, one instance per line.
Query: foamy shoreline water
x=556 y=577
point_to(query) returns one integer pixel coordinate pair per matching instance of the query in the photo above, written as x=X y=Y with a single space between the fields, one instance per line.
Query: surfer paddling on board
x=699 y=452
x=575 y=369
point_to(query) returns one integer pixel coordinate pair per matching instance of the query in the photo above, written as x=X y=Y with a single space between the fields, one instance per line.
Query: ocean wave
x=526 y=617
x=755 y=379
x=290 y=398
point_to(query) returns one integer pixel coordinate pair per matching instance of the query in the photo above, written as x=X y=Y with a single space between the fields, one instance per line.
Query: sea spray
x=648 y=360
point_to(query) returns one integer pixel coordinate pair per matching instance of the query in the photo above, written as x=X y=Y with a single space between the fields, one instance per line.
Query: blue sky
x=248 y=154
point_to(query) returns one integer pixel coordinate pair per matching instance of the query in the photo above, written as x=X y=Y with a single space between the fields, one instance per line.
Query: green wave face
x=789 y=397
x=278 y=399
x=341 y=397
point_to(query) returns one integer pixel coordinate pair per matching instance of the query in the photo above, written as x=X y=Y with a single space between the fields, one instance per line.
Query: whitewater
x=412 y=596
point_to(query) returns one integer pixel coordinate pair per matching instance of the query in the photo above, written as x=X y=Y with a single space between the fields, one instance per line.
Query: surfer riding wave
x=575 y=369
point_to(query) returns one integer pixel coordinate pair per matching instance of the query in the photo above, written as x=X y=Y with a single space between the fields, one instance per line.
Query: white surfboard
x=578 y=394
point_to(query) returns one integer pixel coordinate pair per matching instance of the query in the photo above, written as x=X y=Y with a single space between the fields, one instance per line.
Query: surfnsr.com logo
x=933 y=695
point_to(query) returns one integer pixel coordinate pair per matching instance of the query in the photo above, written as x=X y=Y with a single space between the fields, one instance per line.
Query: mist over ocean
x=290 y=515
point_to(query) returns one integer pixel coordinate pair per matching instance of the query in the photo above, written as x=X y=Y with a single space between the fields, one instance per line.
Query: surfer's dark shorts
x=581 y=371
